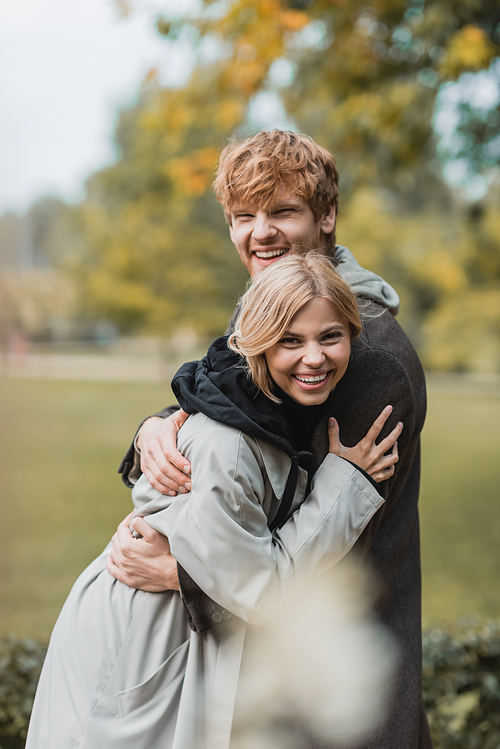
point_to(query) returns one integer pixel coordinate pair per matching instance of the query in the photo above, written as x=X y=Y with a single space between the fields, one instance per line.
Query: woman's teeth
x=317 y=378
x=271 y=253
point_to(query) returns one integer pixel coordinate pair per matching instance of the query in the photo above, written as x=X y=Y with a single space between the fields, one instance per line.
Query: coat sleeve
x=218 y=532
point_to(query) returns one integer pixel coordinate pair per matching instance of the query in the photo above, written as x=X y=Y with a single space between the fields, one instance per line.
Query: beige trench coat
x=123 y=668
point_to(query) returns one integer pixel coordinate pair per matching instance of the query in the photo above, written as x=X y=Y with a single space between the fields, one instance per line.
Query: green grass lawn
x=460 y=507
x=61 y=443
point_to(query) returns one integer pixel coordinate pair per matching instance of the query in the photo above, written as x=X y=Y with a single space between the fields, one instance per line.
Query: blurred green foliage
x=461 y=685
x=20 y=665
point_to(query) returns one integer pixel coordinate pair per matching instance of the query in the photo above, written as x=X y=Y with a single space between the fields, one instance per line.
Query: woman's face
x=313 y=354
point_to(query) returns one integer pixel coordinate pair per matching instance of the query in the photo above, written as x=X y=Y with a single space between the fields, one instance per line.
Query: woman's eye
x=288 y=341
x=330 y=337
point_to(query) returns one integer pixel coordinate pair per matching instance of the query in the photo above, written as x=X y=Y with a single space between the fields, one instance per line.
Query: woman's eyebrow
x=326 y=329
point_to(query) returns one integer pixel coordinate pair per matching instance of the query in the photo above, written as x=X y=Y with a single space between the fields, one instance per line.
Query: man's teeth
x=317 y=378
x=271 y=253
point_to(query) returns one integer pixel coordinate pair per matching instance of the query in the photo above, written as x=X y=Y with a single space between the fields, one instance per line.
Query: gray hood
x=363 y=282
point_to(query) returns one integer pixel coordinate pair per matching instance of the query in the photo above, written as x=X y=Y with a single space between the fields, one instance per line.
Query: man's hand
x=162 y=464
x=144 y=563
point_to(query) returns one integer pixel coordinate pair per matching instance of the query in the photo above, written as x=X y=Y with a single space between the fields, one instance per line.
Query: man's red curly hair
x=252 y=171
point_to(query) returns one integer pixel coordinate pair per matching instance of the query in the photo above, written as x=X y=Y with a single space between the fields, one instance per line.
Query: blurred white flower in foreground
x=319 y=675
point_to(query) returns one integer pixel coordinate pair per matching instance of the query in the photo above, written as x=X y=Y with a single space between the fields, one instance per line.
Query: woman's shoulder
x=237 y=450
x=199 y=426
x=204 y=433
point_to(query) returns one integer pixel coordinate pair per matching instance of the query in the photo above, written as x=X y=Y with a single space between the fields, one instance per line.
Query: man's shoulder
x=384 y=360
x=382 y=335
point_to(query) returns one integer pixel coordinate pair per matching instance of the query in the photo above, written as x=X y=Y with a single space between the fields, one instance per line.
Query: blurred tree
x=363 y=80
x=360 y=78
x=35 y=295
x=155 y=252
x=446 y=269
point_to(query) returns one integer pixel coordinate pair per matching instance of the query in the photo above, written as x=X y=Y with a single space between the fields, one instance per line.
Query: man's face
x=263 y=236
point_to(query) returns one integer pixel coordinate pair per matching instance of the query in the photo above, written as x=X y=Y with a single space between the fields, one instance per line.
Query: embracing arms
x=219 y=531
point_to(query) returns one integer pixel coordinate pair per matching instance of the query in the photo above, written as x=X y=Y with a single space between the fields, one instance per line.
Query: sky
x=66 y=67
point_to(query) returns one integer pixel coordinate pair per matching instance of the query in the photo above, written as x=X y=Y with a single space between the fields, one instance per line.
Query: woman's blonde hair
x=275 y=296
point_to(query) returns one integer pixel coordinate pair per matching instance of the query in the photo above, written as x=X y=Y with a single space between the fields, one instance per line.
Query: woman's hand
x=162 y=464
x=366 y=454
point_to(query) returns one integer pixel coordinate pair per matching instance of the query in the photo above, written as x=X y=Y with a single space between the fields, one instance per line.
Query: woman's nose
x=263 y=227
x=313 y=355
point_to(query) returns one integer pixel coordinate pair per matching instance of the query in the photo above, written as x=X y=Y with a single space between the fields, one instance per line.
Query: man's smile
x=265 y=254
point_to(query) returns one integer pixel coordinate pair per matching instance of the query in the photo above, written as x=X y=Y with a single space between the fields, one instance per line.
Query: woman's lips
x=312 y=381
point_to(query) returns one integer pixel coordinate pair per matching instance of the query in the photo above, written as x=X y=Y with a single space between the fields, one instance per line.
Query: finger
x=115 y=548
x=112 y=568
x=385 y=474
x=159 y=481
x=333 y=436
x=391 y=438
x=173 y=465
x=149 y=534
x=166 y=465
x=377 y=425
x=118 y=574
x=179 y=418
x=168 y=439
x=123 y=538
x=387 y=460
x=123 y=527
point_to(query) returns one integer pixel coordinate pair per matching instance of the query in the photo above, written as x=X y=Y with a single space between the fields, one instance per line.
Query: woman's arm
x=219 y=534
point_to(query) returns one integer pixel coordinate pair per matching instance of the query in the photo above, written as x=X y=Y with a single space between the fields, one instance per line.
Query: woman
x=123 y=668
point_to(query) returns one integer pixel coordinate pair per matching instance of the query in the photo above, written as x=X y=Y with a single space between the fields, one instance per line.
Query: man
x=280 y=189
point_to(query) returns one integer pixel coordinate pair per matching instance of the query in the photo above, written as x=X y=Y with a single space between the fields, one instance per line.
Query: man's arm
x=154 y=453
x=168 y=470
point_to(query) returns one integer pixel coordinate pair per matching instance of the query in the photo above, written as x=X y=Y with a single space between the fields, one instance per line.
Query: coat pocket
x=171 y=670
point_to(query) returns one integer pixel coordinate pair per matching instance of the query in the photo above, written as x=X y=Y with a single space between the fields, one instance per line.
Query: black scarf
x=219 y=387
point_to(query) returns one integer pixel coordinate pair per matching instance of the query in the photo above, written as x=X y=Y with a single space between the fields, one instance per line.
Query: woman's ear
x=328 y=220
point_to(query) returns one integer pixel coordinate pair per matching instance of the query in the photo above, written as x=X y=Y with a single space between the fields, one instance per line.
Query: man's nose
x=313 y=355
x=263 y=228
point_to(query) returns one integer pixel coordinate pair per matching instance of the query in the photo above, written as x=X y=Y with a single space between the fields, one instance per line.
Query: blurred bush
x=461 y=686
x=461 y=674
x=20 y=664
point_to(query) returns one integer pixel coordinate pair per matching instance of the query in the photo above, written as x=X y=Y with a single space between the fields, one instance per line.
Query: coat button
x=216 y=617
x=226 y=614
